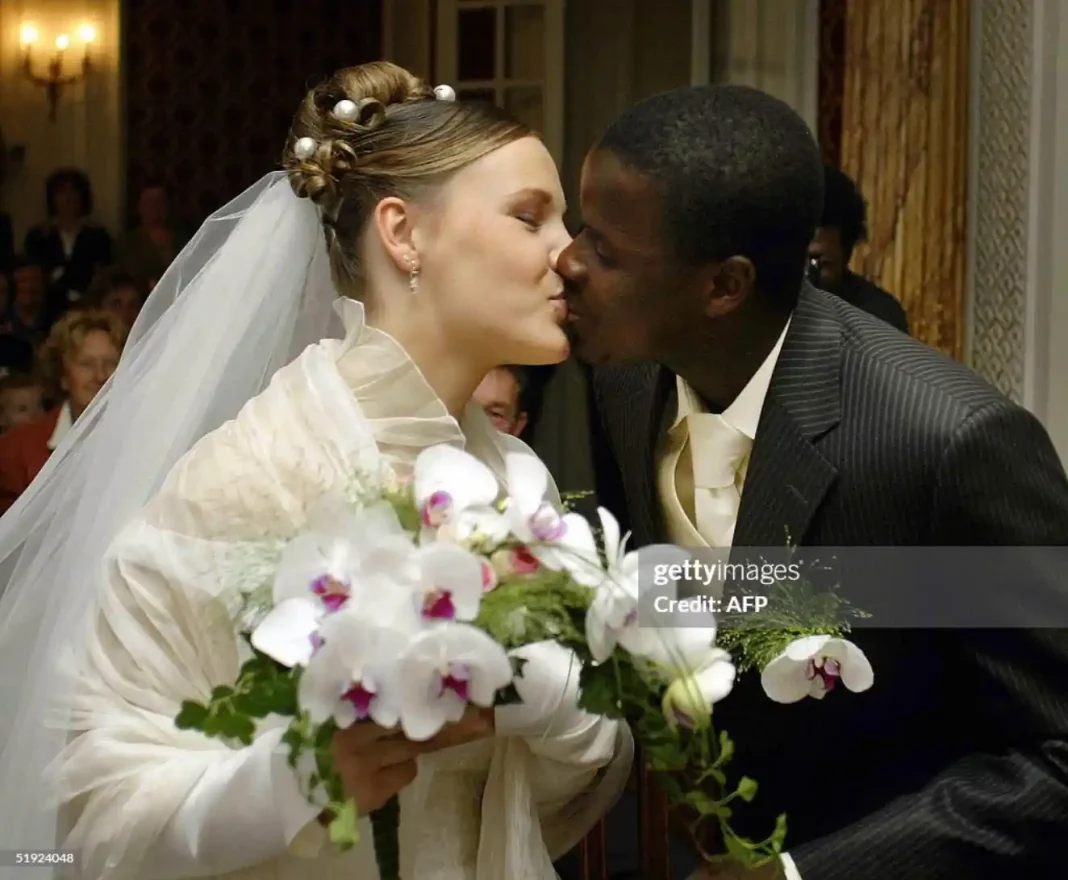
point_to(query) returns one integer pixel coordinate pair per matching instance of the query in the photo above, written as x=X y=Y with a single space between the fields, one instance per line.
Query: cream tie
x=723 y=448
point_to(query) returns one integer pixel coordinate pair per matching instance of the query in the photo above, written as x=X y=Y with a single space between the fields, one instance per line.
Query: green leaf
x=294 y=739
x=747 y=789
x=192 y=716
x=778 y=836
x=523 y=609
x=597 y=691
x=704 y=804
x=222 y=692
x=726 y=749
x=343 y=830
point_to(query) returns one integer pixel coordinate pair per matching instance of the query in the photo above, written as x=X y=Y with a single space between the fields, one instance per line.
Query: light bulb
x=87 y=33
x=62 y=42
x=28 y=35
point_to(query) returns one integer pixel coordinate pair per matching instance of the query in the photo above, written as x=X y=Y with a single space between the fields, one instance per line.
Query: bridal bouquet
x=399 y=605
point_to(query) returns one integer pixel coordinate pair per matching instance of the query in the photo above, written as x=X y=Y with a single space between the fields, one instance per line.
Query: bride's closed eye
x=530 y=207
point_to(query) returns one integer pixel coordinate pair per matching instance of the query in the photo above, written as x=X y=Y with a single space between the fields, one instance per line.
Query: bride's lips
x=559 y=305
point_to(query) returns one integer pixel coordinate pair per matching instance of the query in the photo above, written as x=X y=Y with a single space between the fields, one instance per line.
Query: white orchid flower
x=612 y=618
x=636 y=591
x=325 y=567
x=688 y=701
x=812 y=666
x=455 y=493
x=350 y=676
x=451 y=582
x=445 y=668
x=558 y=541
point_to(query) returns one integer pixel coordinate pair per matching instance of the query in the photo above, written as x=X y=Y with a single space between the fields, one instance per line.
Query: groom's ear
x=728 y=285
x=394 y=221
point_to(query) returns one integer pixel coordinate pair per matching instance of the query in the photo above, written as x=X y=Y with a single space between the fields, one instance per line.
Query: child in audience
x=21 y=400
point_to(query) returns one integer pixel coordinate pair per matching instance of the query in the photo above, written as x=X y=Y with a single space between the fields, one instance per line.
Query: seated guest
x=500 y=395
x=70 y=248
x=21 y=400
x=80 y=355
x=27 y=316
x=119 y=293
x=843 y=226
x=148 y=249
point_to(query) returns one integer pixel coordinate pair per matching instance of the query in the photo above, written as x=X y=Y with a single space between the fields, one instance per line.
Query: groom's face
x=628 y=299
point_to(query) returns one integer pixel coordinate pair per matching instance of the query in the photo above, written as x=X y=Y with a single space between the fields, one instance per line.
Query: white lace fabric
x=146 y=800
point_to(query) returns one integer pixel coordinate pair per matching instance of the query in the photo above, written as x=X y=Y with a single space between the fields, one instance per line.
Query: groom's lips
x=561 y=304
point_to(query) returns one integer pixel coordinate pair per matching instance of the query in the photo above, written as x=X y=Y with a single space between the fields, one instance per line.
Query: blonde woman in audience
x=247 y=392
x=79 y=356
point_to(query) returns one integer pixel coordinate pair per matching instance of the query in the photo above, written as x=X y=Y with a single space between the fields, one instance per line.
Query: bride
x=237 y=403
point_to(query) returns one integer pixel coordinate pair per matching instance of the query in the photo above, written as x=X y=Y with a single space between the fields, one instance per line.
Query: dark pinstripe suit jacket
x=955 y=765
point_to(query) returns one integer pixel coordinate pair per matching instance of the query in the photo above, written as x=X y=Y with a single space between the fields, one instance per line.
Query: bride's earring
x=413 y=274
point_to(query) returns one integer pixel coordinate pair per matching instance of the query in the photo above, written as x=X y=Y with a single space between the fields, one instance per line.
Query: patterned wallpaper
x=211 y=86
x=1002 y=130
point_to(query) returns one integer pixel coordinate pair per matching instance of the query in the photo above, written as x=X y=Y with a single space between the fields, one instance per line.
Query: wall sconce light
x=56 y=74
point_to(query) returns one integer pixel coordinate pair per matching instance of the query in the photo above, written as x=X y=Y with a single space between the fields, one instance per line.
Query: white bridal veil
x=248 y=293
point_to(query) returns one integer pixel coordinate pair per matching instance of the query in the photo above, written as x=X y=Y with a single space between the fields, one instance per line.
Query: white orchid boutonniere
x=812 y=666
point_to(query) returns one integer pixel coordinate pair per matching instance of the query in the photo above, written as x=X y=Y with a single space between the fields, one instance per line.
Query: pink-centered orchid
x=455 y=494
x=559 y=541
x=444 y=669
x=327 y=567
x=350 y=677
x=812 y=666
x=451 y=582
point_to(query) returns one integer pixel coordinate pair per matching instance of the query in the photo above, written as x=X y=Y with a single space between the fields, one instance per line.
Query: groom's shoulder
x=881 y=362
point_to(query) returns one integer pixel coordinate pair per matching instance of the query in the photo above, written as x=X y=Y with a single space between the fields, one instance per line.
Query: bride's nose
x=559 y=246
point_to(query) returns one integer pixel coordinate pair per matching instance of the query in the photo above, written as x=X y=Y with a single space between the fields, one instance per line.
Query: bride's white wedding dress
x=147 y=800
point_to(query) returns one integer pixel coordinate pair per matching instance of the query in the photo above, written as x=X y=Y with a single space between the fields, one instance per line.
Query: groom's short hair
x=739 y=174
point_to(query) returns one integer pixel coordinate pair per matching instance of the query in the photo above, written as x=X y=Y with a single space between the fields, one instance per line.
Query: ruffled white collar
x=403 y=410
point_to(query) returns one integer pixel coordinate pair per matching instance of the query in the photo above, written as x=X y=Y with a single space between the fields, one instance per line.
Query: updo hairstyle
x=398 y=140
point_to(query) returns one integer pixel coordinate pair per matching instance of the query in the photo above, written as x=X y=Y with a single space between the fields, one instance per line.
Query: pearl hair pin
x=304 y=148
x=346 y=110
x=445 y=93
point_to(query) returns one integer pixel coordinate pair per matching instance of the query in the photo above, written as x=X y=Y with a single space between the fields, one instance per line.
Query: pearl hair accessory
x=346 y=110
x=445 y=93
x=304 y=148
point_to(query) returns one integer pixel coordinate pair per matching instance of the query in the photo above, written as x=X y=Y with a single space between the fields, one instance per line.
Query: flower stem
x=385 y=831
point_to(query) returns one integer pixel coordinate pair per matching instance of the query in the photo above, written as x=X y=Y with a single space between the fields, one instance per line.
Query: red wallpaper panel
x=211 y=86
x=831 y=76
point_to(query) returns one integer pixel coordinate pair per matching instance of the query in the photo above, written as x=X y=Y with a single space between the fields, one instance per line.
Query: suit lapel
x=645 y=416
x=787 y=477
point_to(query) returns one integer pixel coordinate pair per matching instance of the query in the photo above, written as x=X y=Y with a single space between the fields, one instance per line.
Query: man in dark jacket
x=842 y=226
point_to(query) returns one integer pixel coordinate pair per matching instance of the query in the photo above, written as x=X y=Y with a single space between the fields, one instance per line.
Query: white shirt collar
x=63 y=424
x=744 y=412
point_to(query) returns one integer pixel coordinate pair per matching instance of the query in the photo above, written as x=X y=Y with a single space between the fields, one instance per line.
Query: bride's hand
x=375 y=764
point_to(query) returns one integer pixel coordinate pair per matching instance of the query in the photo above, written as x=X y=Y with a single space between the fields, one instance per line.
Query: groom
x=711 y=354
